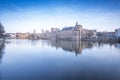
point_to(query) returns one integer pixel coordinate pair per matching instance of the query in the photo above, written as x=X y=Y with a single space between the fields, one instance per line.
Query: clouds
x=25 y=16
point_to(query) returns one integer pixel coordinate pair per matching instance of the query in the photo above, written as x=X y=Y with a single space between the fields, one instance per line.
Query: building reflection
x=117 y=45
x=2 y=46
x=72 y=46
x=110 y=44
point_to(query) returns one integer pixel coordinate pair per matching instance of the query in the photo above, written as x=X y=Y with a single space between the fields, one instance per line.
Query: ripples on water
x=59 y=60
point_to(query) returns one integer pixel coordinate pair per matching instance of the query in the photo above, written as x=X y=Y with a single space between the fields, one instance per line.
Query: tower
x=42 y=31
x=76 y=24
x=34 y=31
x=78 y=29
x=34 y=34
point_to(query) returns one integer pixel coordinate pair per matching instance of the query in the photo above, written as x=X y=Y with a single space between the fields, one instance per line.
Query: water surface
x=59 y=60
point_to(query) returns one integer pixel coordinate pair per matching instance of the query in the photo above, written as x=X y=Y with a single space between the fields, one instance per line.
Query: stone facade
x=74 y=33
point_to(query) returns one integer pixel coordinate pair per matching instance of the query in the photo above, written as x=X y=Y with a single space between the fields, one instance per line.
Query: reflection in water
x=2 y=45
x=34 y=42
x=117 y=45
x=47 y=60
x=78 y=47
x=22 y=42
x=73 y=46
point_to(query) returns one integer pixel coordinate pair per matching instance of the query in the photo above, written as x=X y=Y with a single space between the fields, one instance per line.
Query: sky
x=27 y=15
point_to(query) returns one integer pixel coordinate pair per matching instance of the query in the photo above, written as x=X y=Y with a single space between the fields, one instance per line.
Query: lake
x=59 y=60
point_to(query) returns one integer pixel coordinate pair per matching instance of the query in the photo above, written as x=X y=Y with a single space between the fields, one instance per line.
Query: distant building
x=47 y=31
x=94 y=34
x=110 y=35
x=34 y=34
x=53 y=30
x=68 y=28
x=11 y=35
x=117 y=33
x=65 y=33
x=74 y=33
x=22 y=35
x=45 y=35
x=106 y=35
x=77 y=32
x=42 y=31
x=34 y=31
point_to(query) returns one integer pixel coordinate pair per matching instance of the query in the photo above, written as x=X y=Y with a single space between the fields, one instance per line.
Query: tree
x=2 y=31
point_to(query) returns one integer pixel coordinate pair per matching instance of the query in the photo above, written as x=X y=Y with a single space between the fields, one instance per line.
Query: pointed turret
x=76 y=24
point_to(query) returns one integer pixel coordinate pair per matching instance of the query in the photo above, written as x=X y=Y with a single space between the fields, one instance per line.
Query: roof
x=67 y=28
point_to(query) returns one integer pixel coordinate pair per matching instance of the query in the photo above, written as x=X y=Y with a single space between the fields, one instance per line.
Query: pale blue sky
x=26 y=15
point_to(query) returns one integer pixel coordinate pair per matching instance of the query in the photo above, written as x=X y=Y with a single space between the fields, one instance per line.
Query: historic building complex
x=71 y=33
x=76 y=32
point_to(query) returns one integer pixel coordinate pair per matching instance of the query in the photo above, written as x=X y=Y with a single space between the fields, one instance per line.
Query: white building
x=12 y=35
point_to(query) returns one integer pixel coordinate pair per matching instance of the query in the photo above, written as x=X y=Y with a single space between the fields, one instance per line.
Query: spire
x=76 y=23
